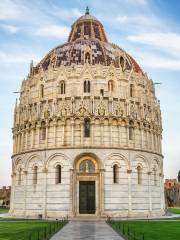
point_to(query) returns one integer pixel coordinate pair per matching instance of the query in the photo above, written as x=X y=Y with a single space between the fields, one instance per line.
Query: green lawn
x=154 y=230
x=4 y=210
x=174 y=210
x=21 y=230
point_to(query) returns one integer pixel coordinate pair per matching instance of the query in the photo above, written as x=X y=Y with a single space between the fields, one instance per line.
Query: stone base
x=115 y=214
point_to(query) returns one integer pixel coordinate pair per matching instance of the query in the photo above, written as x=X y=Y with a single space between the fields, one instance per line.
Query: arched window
x=155 y=176
x=131 y=90
x=35 y=174
x=139 y=175
x=41 y=91
x=122 y=62
x=110 y=86
x=87 y=86
x=131 y=130
x=19 y=176
x=87 y=57
x=58 y=174
x=102 y=92
x=115 y=173
x=86 y=127
x=62 y=87
x=84 y=86
x=43 y=131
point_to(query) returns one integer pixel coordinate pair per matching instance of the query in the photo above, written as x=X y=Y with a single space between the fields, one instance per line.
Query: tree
x=179 y=176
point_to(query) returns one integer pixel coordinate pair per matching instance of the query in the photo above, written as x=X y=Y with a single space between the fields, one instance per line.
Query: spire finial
x=87 y=10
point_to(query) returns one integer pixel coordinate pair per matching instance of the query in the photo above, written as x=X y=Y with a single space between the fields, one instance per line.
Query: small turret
x=31 y=67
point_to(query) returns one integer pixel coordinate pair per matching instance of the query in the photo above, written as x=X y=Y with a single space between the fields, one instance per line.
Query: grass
x=153 y=230
x=22 y=230
x=174 y=210
x=4 y=210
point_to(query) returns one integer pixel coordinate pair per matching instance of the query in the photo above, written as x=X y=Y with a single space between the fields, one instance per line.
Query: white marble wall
x=123 y=198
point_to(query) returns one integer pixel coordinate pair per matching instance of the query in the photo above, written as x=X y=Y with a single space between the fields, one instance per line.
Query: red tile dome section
x=88 y=35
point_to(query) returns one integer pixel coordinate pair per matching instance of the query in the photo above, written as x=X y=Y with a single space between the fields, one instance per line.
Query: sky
x=149 y=30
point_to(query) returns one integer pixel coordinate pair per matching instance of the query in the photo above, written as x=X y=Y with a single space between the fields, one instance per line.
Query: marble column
x=45 y=171
x=71 y=198
x=161 y=185
x=47 y=130
x=22 y=140
x=63 y=133
x=142 y=130
x=102 y=135
x=72 y=133
x=17 y=143
x=82 y=133
x=119 y=127
x=127 y=135
x=32 y=138
x=54 y=132
x=25 y=191
x=110 y=126
x=101 y=190
x=92 y=132
x=129 y=192
x=27 y=133
x=38 y=135
x=13 y=185
x=150 y=191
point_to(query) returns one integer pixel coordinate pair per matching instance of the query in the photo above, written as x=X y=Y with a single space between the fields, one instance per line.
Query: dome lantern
x=87 y=10
x=87 y=27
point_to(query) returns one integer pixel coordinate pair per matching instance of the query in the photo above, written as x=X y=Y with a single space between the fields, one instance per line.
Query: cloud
x=139 y=20
x=167 y=42
x=162 y=49
x=143 y=2
x=147 y=59
x=65 y=13
x=54 y=31
x=9 y=28
x=17 y=57
x=10 y=10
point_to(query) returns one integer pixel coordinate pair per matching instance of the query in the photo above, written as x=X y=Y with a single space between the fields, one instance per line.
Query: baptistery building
x=87 y=133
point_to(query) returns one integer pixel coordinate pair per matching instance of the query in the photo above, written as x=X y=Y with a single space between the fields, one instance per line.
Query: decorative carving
x=133 y=111
x=82 y=110
x=101 y=109
x=64 y=109
x=119 y=110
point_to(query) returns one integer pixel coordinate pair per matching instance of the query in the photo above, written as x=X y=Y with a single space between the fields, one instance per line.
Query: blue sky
x=148 y=29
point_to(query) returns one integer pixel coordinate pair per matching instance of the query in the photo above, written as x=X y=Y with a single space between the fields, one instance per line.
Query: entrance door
x=87 y=197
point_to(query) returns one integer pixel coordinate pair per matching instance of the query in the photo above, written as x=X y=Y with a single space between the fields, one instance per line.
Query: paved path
x=88 y=230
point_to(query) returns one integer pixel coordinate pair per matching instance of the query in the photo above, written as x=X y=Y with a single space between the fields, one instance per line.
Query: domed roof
x=87 y=36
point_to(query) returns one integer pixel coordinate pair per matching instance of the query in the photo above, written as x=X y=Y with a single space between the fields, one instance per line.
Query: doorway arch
x=87 y=185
